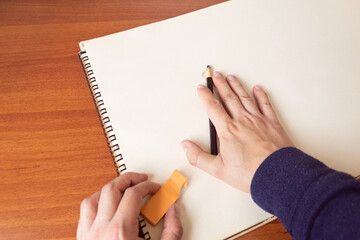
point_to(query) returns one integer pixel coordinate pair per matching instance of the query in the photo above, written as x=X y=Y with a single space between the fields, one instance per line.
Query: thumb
x=202 y=159
x=172 y=226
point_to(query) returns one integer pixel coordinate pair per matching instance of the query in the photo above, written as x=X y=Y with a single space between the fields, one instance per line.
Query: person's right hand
x=248 y=132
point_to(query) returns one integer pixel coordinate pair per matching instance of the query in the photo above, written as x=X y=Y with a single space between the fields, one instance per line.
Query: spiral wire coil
x=103 y=115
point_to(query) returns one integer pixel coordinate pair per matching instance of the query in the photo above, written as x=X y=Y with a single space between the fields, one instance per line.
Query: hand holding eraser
x=160 y=202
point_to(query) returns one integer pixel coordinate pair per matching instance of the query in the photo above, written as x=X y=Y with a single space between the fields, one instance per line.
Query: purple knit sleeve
x=310 y=199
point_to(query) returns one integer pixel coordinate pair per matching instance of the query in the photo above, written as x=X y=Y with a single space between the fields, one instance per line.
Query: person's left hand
x=112 y=213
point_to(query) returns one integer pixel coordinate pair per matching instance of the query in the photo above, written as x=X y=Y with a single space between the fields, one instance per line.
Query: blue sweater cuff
x=295 y=186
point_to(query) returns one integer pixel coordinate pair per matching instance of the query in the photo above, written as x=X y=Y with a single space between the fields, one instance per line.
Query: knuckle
x=107 y=188
x=259 y=122
x=264 y=99
x=229 y=96
x=245 y=98
x=237 y=84
x=86 y=204
x=221 y=80
x=214 y=103
x=230 y=128
x=173 y=232
x=266 y=103
x=128 y=174
x=247 y=121
x=193 y=161
x=262 y=94
x=125 y=175
x=178 y=231
x=133 y=193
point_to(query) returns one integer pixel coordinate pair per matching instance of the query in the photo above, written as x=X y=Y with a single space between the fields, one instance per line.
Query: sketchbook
x=304 y=53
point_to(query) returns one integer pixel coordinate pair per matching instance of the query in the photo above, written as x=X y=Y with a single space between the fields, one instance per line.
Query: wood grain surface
x=52 y=149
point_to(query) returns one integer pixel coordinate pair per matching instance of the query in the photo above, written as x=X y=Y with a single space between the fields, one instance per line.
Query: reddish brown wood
x=52 y=149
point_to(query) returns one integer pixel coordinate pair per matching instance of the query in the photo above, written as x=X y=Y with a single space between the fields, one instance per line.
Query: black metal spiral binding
x=108 y=129
x=142 y=227
x=104 y=118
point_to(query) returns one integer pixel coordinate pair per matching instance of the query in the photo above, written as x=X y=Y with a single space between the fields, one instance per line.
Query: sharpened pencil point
x=208 y=72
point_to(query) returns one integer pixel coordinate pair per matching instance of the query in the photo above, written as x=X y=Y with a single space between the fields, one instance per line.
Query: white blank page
x=305 y=54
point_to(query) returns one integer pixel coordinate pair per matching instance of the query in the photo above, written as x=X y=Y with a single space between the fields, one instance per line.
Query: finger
x=201 y=159
x=264 y=103
x=79 y=232
x=245 y=99
x=230 y=101
x=214 y=108
x=88 y=209
x=172 y=226
x=111 y=194
x=131 y=203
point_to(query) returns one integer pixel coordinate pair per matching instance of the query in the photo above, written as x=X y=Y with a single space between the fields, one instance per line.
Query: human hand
x=112 y=213
x=248 y=132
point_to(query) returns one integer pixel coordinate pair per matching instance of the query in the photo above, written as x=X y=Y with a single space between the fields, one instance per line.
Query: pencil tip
x=207 y=72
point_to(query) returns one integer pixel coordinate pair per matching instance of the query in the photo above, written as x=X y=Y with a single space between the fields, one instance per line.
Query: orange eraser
x=160 y=202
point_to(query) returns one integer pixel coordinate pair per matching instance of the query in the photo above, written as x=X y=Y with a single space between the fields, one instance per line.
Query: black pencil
x=213 y=138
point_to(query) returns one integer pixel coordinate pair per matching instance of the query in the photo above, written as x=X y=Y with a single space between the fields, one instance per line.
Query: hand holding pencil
x=248 y=132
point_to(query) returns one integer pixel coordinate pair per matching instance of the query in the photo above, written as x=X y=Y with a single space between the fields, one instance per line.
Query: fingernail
x=258 y=87
x=231 y=78
x=217 y=74
x=184 y=147
x=201 y=86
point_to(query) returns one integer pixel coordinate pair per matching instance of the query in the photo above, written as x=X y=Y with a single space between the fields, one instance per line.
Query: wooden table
x=52 y=149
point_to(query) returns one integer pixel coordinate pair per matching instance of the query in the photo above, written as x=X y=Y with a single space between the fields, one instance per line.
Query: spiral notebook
x=143 y=82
